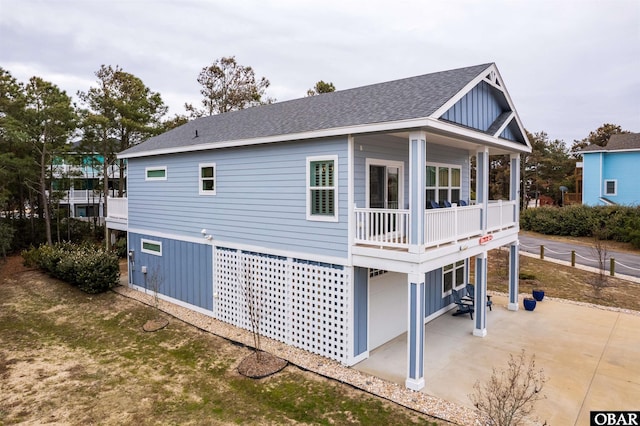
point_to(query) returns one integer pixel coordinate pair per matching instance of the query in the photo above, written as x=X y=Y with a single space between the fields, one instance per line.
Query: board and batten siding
x=397 y=149
x=260 y=197
x=184 y=271
x=478 y=109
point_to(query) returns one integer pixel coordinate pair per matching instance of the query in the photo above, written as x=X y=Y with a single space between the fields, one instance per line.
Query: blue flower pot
x=529 y=304
x=538 y=295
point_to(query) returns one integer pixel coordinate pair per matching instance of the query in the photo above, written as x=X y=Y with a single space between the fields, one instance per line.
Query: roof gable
x=412 y=98
x=617 y=142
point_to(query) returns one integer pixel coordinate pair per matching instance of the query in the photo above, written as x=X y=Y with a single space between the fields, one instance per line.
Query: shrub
x=92 y=269
x=121 y=247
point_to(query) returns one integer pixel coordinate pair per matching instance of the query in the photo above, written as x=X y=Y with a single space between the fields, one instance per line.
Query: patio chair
x=447 y=204
x=471 y=295
x=434 y=205
x=464 y=307
x=462 y=203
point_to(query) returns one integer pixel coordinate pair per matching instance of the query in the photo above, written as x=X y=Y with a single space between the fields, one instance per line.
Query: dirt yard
x=71 y=358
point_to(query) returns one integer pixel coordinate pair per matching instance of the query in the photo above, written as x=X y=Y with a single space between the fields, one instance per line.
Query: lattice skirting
x=299 y=302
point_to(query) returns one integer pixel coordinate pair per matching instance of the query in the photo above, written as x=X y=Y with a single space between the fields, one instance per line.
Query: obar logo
x=621 y=418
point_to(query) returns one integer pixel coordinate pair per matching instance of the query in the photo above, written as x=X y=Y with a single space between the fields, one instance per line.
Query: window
x=207 y=179
x=155 y=173
x=151 y=247
x=443 y=183
x=610 y=187
x=322 y=192
x=453 y=277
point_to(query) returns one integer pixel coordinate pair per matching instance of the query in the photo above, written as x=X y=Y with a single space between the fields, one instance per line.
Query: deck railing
x=117 y=208
x=501 y=215
x=448 y=225
x=382 y=227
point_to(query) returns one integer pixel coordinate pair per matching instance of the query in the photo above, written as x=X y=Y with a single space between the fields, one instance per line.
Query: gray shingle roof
x=619 y=142
x=409 y=98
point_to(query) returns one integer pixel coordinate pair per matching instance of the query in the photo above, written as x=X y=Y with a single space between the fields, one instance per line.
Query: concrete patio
x=590 y=355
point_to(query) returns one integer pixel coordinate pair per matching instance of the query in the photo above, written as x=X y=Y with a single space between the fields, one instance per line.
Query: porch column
x=515 y=184
x=480 y=297
x=482 y=185
x=514 y=275
x=417 y=172
x=415 y=333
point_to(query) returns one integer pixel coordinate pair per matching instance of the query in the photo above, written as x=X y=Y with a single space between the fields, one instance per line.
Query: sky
x=569 y=65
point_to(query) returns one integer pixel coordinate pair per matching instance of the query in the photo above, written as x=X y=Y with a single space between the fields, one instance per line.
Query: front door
x=385 y=193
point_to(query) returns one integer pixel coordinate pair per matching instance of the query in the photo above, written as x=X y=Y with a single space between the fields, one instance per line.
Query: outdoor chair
x=434 y=205
x=462 y=203
x=464 y=307
x=471 y=295
x=447 y=204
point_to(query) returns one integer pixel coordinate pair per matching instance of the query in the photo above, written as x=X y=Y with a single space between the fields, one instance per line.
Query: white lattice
x=298 y=302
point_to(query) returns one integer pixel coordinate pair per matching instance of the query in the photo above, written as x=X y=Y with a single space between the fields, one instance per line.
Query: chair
x=471 y=294
x=434 y=205
x=463 y=307
x=447 y=204
x=462 y=203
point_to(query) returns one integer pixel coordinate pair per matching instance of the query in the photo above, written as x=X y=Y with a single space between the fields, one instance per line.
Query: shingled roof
x=409 y=98
x=618 y=142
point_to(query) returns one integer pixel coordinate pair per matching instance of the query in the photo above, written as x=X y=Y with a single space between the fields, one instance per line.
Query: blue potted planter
x=538 y=295
x=529 y=303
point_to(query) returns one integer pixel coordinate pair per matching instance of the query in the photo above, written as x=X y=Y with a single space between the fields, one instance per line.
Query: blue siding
x=619 y=166
x=397 y=149
x=433 y=295
x=260 y=197
x=478 y=109
x=591 y=179
x=360 y=309
x=184 y=271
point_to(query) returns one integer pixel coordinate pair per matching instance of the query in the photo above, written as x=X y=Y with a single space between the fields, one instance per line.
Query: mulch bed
x=261 y=364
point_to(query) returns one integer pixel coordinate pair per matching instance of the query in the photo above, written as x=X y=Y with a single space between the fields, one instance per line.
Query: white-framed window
x=151 y=247
x=443 y=182
x=453 y=277
x=610 y=187
x=322 y=188
x=155 y=173
x=207 y=179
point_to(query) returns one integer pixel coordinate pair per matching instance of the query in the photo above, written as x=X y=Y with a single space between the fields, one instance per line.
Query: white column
x=417 y=163
x=515 y=184
x=480 y=297
x=514 y=275
x=415 y=332
x=482 y=184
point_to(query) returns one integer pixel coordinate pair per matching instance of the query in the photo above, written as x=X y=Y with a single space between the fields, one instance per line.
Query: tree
x=120 y=112
x=598 y=137
x=48 y=121
x=228 y=86
x=510 y=395
x=321 y=87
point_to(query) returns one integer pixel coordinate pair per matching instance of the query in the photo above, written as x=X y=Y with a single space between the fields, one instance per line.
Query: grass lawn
x=72 y=358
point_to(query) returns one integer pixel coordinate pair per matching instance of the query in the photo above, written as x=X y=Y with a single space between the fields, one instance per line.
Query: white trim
x=148 y=169
x=351 y=229
x=197 y=240
x=505 y=124
x=437 y=187
x=461 y=94
x=201 y=179
x=414 y=385
x=615 y=189
x=386 y=163
x=480 y=332
x=454 y=285
x=175 y=301
x=144 y=241
x=334 y=188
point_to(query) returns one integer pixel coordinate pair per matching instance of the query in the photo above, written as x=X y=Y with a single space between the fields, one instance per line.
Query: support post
x=415 y=332
x=612 y=266
x=541 y=252
x=515 y=184
x=514 y=275
x=417 y=176
x=573 y=258
x=480 y=297
x=482 y=185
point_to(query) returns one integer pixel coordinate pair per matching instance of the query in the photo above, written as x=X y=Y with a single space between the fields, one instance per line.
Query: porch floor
x=589 y=355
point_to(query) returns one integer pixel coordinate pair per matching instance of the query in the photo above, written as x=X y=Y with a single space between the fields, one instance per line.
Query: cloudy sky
x=569 y=65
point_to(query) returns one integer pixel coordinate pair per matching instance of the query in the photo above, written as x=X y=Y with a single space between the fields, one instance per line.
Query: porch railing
x=117 y=208
x=382 y=227
x=448 y=225
x=500 y=215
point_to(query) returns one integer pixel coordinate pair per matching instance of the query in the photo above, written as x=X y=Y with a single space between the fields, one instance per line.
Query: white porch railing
x=382 y=227
x=500 y=215
x=448 y=225
x=117 y=208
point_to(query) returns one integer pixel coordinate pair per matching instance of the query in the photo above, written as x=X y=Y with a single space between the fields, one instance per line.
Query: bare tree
x=510 y=395
x=253 y=301
x=600 y=250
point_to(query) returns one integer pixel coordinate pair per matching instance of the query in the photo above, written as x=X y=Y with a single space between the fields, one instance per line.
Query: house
x=609 y=172
x=323 y=207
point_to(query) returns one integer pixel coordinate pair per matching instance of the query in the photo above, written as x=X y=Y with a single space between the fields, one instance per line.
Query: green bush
x=121 y=247
x=620 y=222
x=92 y=269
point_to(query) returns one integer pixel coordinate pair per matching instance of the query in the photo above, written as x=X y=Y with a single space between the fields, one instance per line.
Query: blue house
x=322 y=207
x=609 y=172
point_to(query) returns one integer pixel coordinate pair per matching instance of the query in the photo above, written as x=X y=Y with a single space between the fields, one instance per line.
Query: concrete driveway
x=590 y=355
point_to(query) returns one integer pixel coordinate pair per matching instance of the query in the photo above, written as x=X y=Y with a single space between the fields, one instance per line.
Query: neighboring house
x=610 y=174
x=322 y=206
x=77 y=183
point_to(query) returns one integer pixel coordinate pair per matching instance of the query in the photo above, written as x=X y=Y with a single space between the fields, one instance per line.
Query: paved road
x=562 y=251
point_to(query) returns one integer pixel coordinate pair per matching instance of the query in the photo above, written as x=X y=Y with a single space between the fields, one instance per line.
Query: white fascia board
x=451 y=102
x=506 y=94
x=505 y=124
x=610 y=151
x=316 y=134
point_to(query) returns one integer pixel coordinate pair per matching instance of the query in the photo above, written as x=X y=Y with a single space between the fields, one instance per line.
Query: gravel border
x=418 y=401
